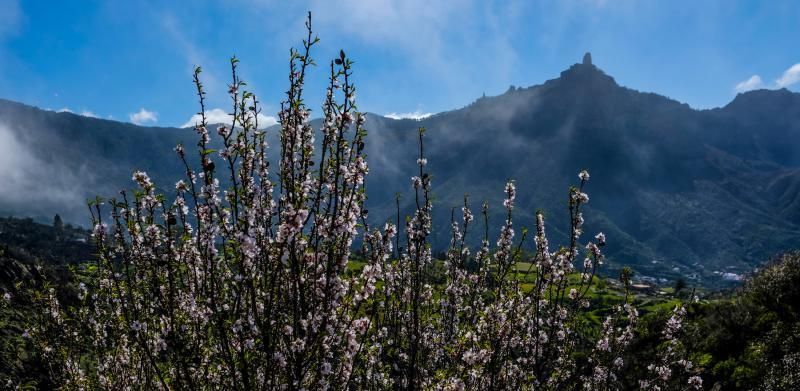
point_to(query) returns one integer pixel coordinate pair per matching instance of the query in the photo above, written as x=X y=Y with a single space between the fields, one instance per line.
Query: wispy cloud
x=87 y=113
x=417 y=115
x=754 y=82
x=789 y=77
x=10 y=18
x=143 y=116
x=192 y=51
x=64 y=110
x=389 y=23
x=429 y=35
x=220 y=116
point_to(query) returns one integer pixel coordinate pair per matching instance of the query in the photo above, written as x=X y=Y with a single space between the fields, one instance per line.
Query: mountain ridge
x=700 y=191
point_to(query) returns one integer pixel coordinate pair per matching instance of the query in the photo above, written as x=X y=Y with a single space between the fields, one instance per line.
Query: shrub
x=750 y=338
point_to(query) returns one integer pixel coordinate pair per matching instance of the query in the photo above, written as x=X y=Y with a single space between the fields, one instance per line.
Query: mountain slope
x=679 y=192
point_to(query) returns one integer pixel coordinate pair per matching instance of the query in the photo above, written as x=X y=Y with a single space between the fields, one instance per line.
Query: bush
x=748 y=340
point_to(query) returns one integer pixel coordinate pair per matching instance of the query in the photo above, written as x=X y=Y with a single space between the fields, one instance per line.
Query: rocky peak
x=587 y=59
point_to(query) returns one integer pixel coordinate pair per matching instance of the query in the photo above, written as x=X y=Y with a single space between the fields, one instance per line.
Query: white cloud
x=417 y=115
x=754 y=82
x=87 y=113
x=789 y=77
x=220 y=116
x=143 y=116
x=64 y=110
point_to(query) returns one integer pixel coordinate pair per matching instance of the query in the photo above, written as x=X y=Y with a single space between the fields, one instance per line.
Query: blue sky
x=132 y=60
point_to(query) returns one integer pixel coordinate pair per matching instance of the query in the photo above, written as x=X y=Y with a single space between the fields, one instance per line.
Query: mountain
x=680 y=193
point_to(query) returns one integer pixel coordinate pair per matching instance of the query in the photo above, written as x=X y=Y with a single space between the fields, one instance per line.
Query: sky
x=132 y=60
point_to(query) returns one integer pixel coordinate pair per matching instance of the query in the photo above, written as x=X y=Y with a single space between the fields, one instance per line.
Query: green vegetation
x=745 y=339
x=33 y=255
x=752 y=339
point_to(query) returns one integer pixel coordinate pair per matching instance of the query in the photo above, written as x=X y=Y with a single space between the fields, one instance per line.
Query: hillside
x=31 y=255
x=26 y=245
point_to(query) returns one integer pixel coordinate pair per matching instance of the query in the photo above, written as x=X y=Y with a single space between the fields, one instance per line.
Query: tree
x=255 y=286
x=57 y=223
x=680 y=284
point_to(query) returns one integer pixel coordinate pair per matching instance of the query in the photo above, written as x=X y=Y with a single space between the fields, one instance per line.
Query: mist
x=34 y=186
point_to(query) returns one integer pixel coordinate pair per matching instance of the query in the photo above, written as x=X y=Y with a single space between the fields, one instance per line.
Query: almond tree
x=252 y=285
